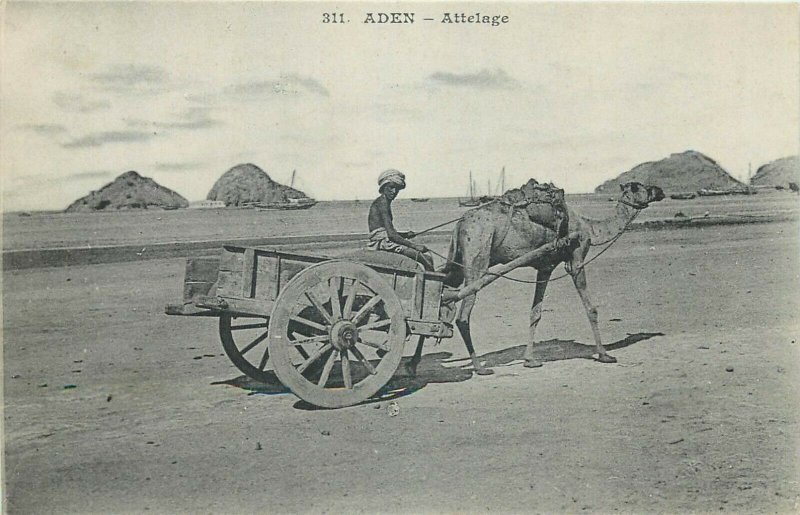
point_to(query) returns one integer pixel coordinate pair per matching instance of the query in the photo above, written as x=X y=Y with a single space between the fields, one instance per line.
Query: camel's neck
x=602 y=231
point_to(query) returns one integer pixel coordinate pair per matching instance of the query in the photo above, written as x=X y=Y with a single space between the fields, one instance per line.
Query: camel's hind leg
x=462 y=322
x=542 y=277
x=579 y=279
x=475 y=270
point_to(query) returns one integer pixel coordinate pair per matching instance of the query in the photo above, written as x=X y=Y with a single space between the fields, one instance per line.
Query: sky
x=574 y=93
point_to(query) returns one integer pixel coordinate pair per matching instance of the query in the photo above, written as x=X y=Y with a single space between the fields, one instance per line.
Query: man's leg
x=425 y=259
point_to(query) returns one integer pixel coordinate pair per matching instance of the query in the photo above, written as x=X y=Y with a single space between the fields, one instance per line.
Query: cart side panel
x=200 y=277
x=231 y=266
x=432 y=297
x=253 y=273
x=291 y=265
x=274 y=269
x=403 y=284
x=267 y=276
x=419 y=292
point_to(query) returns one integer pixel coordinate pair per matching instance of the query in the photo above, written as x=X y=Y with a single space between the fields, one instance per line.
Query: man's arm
x=383 y=211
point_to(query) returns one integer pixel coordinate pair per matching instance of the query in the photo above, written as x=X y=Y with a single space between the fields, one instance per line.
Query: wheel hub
x=344 y=334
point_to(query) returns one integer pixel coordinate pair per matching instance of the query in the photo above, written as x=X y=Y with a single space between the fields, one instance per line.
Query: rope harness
x=638 y=207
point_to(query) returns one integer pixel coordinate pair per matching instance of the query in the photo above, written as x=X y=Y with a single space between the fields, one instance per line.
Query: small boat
x=744 y=191
x=738 y=191
x=499 y=191
x=420 y=199
x=471 y=201
x=682 y=196
x=292 y=203
x=287 y=203
x=703 y=192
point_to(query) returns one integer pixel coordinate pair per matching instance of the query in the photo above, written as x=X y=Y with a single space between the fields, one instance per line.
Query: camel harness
x=558 y=244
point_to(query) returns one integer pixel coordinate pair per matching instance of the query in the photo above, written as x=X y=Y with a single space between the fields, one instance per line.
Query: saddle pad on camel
x=544 y=204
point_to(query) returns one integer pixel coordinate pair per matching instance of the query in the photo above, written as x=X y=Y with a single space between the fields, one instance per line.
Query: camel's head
x=639 y=196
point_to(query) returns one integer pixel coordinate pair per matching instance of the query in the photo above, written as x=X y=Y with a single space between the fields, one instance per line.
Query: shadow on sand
x=440 y=367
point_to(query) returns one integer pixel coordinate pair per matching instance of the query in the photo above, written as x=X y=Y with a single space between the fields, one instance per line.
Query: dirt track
x=667 y=429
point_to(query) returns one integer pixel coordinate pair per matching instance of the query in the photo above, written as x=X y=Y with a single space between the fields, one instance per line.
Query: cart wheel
x=245 y=342
x=353 y=332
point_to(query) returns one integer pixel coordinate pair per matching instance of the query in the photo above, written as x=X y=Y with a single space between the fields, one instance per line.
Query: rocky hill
x=778 y=173
x=129 y=191
x=684 y=172
x=247 y=183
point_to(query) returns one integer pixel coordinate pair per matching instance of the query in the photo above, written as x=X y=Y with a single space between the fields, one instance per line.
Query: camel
x=502 y=231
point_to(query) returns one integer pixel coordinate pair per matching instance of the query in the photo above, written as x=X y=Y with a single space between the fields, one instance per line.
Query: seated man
x=382 y=235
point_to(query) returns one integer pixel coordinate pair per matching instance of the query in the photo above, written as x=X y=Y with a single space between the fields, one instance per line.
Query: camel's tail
x=454 y=266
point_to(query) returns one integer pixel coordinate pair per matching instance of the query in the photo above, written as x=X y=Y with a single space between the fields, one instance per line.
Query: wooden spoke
x=264 y=359
x=249 y=326
x=348 y=379
x=379 y=346
x=239 y=345
x=326 y=370
x=254 y=342
x=309 y=323
x=313 y=357
x=364 y=361
x=348 y=303
x=335 y=284
x=312 y=339
x=347 y=294
x=375 y=325
x=317 y=304
x=365 y=309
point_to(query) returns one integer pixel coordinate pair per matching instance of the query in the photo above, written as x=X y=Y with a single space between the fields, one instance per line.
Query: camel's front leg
x=579 y=279
x=536 y=314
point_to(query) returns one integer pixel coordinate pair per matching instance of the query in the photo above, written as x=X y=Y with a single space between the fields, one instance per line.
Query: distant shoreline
x=90 y=255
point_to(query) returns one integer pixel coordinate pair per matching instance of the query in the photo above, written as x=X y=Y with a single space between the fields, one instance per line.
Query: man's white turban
x=392 y=176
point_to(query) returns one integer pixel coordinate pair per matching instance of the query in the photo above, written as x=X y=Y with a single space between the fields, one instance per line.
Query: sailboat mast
x=471 y=186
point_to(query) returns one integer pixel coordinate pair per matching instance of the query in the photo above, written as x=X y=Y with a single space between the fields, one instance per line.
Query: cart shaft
x=499 y=271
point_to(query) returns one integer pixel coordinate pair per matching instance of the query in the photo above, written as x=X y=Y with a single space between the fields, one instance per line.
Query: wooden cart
x=333 y=330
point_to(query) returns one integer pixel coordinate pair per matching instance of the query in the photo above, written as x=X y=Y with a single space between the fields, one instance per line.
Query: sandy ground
x=699 y=414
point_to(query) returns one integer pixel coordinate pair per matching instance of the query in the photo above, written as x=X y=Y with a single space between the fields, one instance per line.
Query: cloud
x=191 y=119
x=98 y=139
x=96 y=174
x=286 y=84
x=77 y=103
x=176 y=167
x=46 y=129
x=129 y=78
x=289 y=85
x=484 y=79
x=309 y=84
x=256 y=88
x=203 y=98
